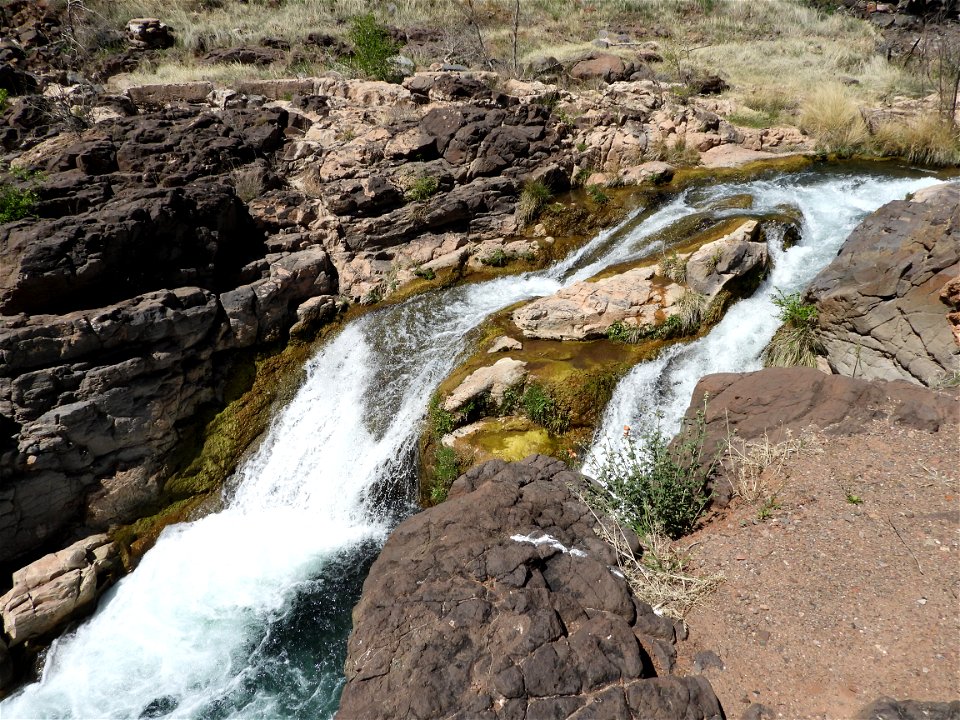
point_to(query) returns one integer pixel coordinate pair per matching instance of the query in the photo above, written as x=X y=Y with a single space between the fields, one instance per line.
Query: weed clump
x=533 y=198
x=834 y=119
x=16 y=203
x=654 y=486
x=542 y=407
x=373 y=49
x=797 y=341
x=928 y=141
x=422 y=188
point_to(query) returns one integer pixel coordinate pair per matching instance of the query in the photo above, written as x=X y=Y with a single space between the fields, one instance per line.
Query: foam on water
x=244 y=613
x=831 y=209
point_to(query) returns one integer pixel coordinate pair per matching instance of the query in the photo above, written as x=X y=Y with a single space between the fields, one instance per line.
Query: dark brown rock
x=501 y=603
x=887 y=708
x=777 y=400
x=881 y=314
x=137 y=243
x=602 y=66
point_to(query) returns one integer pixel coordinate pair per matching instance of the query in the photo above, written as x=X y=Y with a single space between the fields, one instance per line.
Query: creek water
x=245 y=613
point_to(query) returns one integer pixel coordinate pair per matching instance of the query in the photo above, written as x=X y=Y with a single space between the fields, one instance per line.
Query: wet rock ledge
x=502 y=602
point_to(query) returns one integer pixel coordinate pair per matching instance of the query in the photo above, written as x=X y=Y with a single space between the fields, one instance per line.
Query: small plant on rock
x=597 y=194
x=533 y=198
x=497 y=258
x=673 y=266
x=446 y=469
x=542 y=407
x=797 y=341
x=422 y=188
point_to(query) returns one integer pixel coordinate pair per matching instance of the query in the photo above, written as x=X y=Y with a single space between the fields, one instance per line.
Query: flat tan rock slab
x=727 y=156
x=493 y=379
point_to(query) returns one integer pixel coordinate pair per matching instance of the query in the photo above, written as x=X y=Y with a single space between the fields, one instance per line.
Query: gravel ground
x=848 y=590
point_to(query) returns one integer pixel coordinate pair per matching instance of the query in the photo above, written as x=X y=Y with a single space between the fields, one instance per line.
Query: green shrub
x=3 y=99
x=542 y=407
x=422 y=188
x=655 y=486
x=533 y=198
x=441 y=422
x=16 y=203
x=673 y=266
x=797 y=341
x=372 y=49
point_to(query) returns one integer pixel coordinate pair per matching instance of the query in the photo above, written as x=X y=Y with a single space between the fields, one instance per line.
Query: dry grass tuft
x=755 y=468
x=660 y=577
x=927 y=140
x=832 y=116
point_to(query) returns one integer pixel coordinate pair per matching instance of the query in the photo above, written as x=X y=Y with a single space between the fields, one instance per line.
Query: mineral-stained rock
x=602 y=66
x=503 y=603
x=880 y=311
x=55 y=588
x=494 y=379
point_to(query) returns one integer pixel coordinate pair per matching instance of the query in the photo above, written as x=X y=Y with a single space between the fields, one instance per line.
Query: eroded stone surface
x=55 y=588
x=494 y=379
x=884 y=301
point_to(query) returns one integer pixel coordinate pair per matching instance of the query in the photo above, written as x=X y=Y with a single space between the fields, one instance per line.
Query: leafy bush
x=655 y=486
x=425 y=273
x=422 y=188
x=3 y=99
x=533 y=198
x=797 y=341
x=373 y=49
x=16 y=203
x=541 y=406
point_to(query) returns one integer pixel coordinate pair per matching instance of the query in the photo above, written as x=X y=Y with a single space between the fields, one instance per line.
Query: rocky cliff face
x=503 y=603
x=884 y=302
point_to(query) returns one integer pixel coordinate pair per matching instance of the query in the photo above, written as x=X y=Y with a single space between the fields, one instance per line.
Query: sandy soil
x=847 y=591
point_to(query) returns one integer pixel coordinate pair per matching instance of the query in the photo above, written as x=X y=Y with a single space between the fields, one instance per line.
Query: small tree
x=373 y=48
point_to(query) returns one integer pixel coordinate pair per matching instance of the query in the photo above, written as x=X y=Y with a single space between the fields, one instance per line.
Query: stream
x=245 y=613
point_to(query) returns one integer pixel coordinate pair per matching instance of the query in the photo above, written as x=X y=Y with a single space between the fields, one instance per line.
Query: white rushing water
x=239 y=614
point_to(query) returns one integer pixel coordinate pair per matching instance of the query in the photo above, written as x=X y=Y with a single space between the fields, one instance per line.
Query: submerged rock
x=884 y=302
x=503 y=603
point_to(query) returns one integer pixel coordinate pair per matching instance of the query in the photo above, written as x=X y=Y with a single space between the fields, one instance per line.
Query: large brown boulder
x=776 y=401
x=879 y=302
x=503 y=603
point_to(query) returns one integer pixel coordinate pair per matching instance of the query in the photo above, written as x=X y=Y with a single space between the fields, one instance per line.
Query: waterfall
x=244 y=613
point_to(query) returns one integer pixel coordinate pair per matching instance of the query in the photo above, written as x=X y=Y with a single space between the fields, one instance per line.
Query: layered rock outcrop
x=884 y=302
x=775 y=401
x=503 y=603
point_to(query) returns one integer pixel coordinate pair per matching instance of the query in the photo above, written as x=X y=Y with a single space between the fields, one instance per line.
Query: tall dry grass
x=833 y=117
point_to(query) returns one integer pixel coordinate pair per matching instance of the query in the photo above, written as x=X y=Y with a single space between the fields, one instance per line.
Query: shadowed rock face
x=503 y=603
x=883 y=302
